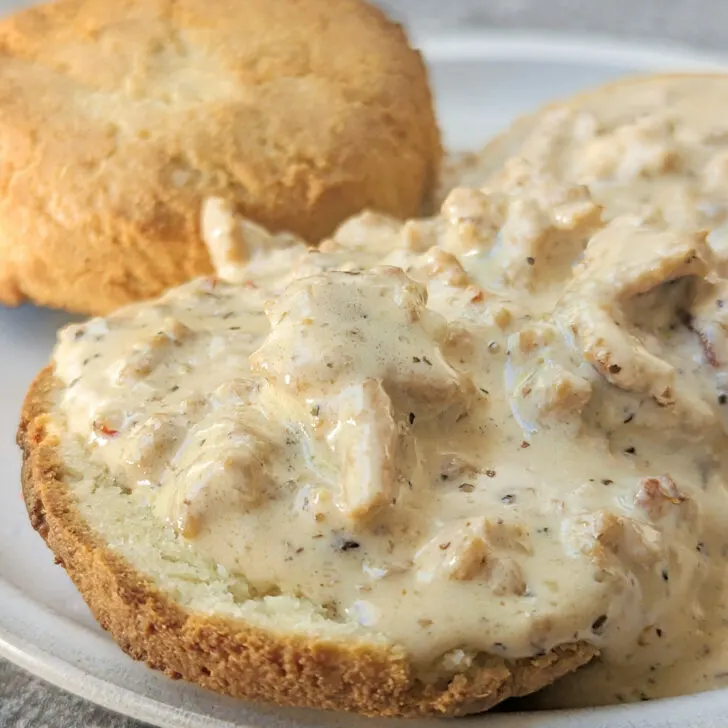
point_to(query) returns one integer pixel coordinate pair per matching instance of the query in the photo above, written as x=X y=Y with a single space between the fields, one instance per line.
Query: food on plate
x=118 y=118
x=655 y=146
x=420 y=469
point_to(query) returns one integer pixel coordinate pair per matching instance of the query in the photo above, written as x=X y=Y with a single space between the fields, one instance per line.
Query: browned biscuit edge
x=230 y=656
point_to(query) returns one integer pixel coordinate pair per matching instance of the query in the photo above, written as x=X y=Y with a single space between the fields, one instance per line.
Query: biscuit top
x=167 y=53
x=499 y=430
x=119 y=117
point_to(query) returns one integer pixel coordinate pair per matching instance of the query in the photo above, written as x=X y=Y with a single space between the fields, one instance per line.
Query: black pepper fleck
x=630 y=450
x=607 y=481
x=628 y=418
x=508 y=498
x=665 y=575
x=490 y=473
x=722 y=398
x=345 y=544
x=615 y=369
x=598 y=624
x=530 y=260
x=427 y=361
x=412 y=418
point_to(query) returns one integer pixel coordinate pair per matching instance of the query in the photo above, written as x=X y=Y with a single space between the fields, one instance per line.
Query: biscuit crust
x=228 y=655
x=118 y=118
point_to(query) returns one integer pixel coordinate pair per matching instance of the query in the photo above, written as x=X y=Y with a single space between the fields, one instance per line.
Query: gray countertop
x=27 y=702
x=700 y=23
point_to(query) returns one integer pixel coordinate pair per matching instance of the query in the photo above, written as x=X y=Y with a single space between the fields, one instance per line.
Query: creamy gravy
x=657 y=150
x=656 y=147
x=441 y=430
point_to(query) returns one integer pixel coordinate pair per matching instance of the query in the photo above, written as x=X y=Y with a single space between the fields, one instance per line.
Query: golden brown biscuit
x=118 y=118
x=227 y=654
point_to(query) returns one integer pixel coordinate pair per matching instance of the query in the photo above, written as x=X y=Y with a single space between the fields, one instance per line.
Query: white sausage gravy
x=497 y=430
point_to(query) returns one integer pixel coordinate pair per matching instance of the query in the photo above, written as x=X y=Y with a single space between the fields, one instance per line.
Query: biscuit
x=119 y=118
x=289 y=666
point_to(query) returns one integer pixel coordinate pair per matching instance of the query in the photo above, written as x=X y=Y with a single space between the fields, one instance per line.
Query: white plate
x=482 y=81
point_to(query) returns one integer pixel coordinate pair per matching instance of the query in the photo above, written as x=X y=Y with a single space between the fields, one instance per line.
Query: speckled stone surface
x=25 y=701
